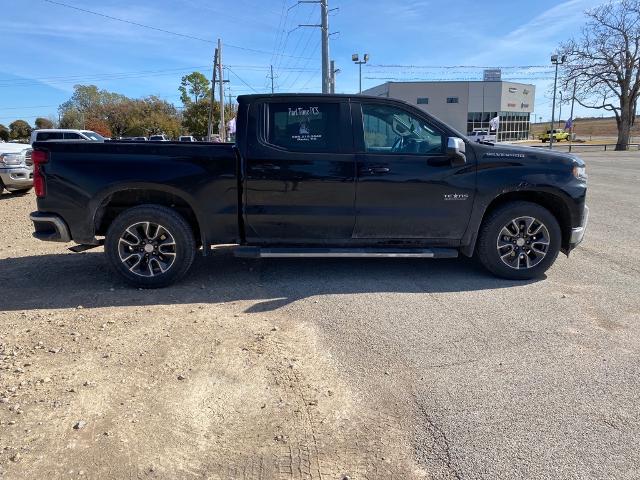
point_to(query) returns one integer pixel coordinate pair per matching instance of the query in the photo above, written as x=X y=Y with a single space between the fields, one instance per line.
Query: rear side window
x=72 y=136
x=304 y=127
x=47 y=136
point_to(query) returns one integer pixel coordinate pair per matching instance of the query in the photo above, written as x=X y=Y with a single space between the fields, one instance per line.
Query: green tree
x=43 y=123
x=4 y=133
x=195 y=118
x=20 y=130
x=194 y=85
x=71 y=118
x=117 y=115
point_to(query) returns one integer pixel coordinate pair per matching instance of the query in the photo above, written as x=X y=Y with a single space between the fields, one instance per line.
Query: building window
x=423 y=101
x=452 y=99
x=513 y=125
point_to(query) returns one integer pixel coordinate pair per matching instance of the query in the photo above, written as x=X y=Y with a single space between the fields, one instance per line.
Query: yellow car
x=558 y=136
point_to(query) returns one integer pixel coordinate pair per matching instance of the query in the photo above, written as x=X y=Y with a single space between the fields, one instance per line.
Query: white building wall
x=453 y=114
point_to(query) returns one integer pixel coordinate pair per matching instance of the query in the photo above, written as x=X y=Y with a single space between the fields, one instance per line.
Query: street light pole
x=356 y=59
x=555 y=60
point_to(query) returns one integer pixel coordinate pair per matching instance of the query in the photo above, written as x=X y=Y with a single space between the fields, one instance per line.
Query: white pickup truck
x=16 y=167
x=482 y=136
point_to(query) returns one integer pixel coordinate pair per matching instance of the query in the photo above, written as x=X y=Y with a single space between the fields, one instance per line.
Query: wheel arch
x=117 y=200
x=556 y=205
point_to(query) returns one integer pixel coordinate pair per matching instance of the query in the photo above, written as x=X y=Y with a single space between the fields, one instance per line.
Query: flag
x=569 y=124
x=494 y=123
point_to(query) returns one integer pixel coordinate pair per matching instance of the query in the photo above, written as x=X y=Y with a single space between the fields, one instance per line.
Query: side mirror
x=456 y=151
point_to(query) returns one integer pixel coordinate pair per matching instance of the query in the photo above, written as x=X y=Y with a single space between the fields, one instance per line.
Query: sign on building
x=493 y=75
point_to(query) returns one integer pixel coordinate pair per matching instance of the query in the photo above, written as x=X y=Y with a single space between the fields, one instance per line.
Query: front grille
x=28 y=160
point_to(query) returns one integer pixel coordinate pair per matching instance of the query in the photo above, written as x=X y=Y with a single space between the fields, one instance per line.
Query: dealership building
x=469 y=105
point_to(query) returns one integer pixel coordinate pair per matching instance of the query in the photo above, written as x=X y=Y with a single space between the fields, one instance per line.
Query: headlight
x=580 y=173
x=12 y=159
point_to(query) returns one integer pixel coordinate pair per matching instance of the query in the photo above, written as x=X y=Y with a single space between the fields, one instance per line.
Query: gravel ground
x=301 y=369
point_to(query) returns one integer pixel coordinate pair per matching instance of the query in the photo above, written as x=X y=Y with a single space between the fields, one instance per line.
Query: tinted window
x=46 y=136
x=93 y=135
x=393 y=130
x=304 y=127
x=72 y=136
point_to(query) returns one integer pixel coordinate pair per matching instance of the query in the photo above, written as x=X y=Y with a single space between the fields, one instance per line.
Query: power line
x=239 y=78
x=97 y=76
x=157 y=29
x=23 y=108
x=459 y=66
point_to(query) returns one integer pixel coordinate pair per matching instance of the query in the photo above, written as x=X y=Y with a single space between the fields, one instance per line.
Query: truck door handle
x=266 y=167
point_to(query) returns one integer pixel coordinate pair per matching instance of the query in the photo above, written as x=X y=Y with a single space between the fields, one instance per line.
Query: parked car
x=16 y=167
x=159 y=138
x=479 y=136
x=313 y=176
x=56 y=134
x=558 y=136
x=140 y=139
x=187 y=138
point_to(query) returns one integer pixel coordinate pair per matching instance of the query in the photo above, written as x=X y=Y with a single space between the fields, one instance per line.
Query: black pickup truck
x=313 y=176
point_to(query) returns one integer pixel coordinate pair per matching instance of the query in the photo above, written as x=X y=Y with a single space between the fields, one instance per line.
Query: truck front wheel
x=519 y=241
x=150 y=246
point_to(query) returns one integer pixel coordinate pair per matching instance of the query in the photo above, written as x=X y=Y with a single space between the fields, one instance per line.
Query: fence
x=593 y=147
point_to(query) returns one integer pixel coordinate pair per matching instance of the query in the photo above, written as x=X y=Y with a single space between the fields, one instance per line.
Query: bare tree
x=604 y=62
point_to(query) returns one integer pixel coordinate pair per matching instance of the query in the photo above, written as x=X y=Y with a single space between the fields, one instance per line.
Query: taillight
x=39 y=158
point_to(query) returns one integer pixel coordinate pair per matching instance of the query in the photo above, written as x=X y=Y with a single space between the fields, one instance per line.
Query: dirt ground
x=326 y=369
x=98 y=380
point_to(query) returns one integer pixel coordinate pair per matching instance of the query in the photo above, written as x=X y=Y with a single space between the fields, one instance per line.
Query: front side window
x=304 y=127
x=390 y=129
x=72 y=136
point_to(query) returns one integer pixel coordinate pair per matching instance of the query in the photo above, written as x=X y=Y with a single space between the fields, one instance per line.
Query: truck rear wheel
x=519 y=241
x=150 y=246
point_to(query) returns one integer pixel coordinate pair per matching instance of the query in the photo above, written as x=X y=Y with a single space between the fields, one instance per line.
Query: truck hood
x=526 y=154
x=13 y=147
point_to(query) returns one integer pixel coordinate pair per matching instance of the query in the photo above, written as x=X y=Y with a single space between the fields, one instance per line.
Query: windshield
x=93 y=135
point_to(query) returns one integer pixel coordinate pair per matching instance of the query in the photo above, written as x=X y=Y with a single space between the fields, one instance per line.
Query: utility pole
x=213 y=96
x=223 y=130
x=333 y=77
x=273 y=90
x=555 y=60
x=324 y=8
x=560 y=115
x=573 y=101
x=324 y=32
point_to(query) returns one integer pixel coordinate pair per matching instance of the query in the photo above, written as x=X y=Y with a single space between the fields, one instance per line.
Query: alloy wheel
x=523 y=243
x=147 y=249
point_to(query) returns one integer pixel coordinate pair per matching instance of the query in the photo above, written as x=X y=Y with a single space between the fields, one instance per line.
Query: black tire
x=176 y=254
x=515 y=266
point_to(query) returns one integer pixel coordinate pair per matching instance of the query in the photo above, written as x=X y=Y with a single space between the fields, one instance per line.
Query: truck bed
x=86 y=175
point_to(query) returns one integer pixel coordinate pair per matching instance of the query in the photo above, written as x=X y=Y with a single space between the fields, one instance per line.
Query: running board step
x=308 y=252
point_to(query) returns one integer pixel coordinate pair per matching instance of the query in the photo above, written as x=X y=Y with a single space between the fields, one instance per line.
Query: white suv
x=57 y=134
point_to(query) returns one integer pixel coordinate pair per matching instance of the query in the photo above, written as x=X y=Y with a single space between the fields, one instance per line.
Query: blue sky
x=48 y=48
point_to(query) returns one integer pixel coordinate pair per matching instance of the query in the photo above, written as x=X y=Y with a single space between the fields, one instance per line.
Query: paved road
x=501 y=380
x=475 y=377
